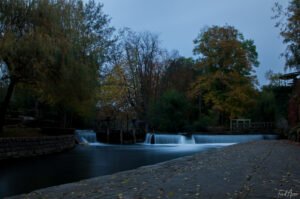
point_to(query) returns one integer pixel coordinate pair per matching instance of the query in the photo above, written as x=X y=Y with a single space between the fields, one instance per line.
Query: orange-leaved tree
x=226 y=61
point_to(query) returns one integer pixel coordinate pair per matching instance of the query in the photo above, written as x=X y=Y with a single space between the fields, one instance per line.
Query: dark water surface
x=25 y=175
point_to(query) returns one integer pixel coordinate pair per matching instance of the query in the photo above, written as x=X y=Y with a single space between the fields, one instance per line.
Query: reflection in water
x=21 y=176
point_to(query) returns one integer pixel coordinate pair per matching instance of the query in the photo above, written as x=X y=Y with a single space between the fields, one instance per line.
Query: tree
x=25 y=44
x=226 y=61
x=112 y=96
x=289 y=24
x=53 y=46
x=290 y=31
x=266 y=108
x=143 y=62
x=179 y=75
x=171 y=112
x=90 y=37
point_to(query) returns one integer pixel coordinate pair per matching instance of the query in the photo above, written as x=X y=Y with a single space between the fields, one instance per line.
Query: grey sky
x=178 y=22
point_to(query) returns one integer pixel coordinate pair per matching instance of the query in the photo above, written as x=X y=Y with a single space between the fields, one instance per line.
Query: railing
x=262 y=125
x=246 y=124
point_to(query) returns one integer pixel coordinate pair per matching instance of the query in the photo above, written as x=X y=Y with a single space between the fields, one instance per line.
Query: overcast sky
x=178 y=22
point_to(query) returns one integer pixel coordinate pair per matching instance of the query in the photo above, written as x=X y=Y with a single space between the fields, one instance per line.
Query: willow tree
x=226 y=61
x=54 y=47
x=89 y=36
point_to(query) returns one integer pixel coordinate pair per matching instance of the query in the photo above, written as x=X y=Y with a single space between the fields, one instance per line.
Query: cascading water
x=148 y=138
x=86 y=137
x=203 y=139
x=169 y=139
x=187 y=139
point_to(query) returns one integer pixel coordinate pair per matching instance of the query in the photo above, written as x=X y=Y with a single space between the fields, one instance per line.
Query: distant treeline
x=63 y=61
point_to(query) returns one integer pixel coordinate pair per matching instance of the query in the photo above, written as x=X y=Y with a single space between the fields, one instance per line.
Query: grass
x=21 y=132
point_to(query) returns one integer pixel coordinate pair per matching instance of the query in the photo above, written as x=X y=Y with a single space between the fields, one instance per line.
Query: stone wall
x=34 y=146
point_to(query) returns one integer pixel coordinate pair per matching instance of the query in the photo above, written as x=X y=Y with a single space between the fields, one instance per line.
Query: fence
x=246 y=124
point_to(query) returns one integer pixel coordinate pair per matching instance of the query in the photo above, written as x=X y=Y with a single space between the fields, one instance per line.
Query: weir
x=169 y=139
x=86 y=137
x=203 y=139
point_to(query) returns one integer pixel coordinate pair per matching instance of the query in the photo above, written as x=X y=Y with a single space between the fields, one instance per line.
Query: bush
x=266 y=108
x=294 y=134
x=205 y=121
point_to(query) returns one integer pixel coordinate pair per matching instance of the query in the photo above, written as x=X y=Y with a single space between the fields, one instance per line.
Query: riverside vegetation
x=62 y=62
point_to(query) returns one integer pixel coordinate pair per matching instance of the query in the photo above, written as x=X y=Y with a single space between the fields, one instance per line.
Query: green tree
x=289 y=24
x=25 y=44
x=179 y=75
x=226 y=61
x=266 y=106
x=54 y=47
x=170 y=113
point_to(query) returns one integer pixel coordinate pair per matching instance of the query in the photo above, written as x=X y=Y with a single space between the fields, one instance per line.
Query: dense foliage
x=54 y=47
x=171 y=112
x=63 y=56
x=289 y=23
x=226 y=60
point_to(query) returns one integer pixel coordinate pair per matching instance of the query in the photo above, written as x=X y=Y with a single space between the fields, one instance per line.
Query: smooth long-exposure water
x=25 y=175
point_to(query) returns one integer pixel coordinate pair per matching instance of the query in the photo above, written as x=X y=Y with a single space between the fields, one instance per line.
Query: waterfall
x=148 y=138
x=187 y=139
x=169 y=139
x=203 y=139
x=86 y=137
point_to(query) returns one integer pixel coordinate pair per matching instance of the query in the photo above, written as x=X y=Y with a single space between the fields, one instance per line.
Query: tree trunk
x=5 y=103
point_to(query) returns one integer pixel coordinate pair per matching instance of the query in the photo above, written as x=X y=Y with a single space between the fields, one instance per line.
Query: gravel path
x=264 y=169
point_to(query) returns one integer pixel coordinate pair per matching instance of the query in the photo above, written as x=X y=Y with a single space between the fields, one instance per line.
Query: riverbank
x=263 y=169
x=23 y=147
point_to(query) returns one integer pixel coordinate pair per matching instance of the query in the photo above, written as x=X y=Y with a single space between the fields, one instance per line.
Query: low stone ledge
x=34 y=146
